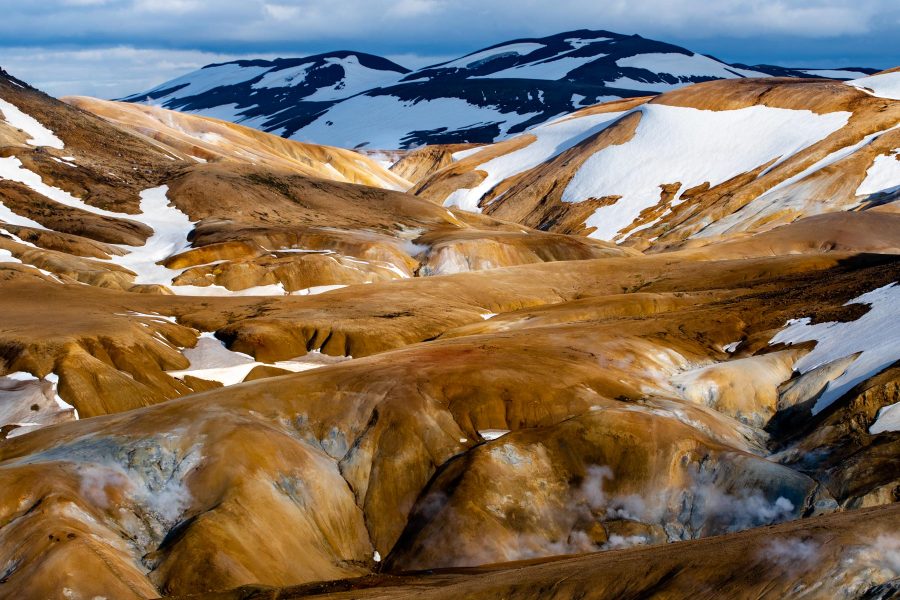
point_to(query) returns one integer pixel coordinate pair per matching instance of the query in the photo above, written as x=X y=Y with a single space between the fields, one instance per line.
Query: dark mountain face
x=359 y=100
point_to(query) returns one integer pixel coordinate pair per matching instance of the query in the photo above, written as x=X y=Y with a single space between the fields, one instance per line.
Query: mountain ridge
x=480 y=97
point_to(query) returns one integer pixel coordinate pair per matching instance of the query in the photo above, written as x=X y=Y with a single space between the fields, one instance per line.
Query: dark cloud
x=130 y=44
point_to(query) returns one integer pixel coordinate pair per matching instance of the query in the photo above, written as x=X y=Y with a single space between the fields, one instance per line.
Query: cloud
x=105 y=72
x=112 y=22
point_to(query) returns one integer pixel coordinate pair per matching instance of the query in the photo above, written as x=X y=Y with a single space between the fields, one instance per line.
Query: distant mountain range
x=356 y=100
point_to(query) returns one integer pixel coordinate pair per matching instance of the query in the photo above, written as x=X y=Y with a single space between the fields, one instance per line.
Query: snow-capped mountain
x=352 y=99
x=274 y=94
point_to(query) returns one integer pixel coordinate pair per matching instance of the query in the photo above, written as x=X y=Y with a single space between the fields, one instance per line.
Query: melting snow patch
x=888 y=419
x=12 y=168
x=680 y=65
x=211 y=360
x=580 y=43
x=874 y=335
x=457 y=156
x=492 y=434
x=356 y=79
x=170 y=230
x=40 y=135
x=54 y=379
x=780 y=197
x=484 y=56
x=835 y=73
x=884 y=85
x=7 y=257
x=552 y=139
x=730 y=348
x=883 y=175
x=674 y=143
x=550 y=70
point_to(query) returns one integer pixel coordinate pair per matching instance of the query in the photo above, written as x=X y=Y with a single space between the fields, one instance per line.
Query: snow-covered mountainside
x=353 y=100
x=274 y=95
x=717 y=158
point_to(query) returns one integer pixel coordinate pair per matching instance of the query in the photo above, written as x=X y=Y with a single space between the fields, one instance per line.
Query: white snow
x=874 y=336
x=691 y=146
x=229 y=112
x=834 y=73
x=632 y=84
x=521 y=49
x=351 y=120
x=283 y=77
x=170 y=230
x=54 y=379
x=23 y=404
x=883 y=175
x=681 y=65
x=492 y=434
x=550 y=69
x=11 y=168
x=884 y=85
x=780 y=197
x=40 y=135
x=211 y=360
x=458 y=156
x=888 y=419
x=203 y=80
x=579 y=43
x=7 y=257
x=552 y=139
x=357 y=79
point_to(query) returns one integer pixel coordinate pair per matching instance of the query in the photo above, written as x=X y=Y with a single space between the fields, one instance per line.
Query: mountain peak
x=482 y=96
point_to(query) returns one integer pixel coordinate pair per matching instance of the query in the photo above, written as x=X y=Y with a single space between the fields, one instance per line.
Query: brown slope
x=845 y=553
x=269 y=211
x=207 y=139
x=386 y=424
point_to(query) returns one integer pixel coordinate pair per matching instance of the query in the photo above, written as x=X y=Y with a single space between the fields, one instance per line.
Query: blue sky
x=111 y=48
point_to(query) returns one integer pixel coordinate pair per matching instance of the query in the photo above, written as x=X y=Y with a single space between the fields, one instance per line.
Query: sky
x=113 y=48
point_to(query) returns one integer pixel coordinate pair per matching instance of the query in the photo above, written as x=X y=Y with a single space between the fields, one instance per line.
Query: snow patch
x=888 y=419
x=492 y=434
x=884 y=85
x=834 y=73
x=478 y=58
x=553 y=138
x=681 y=65
x=349 y=123
x=693 y=146
x=211 y=360
x=551 y=69
x=11 y=168
x=882 y=176
x=874 y=335
x=40 y=135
